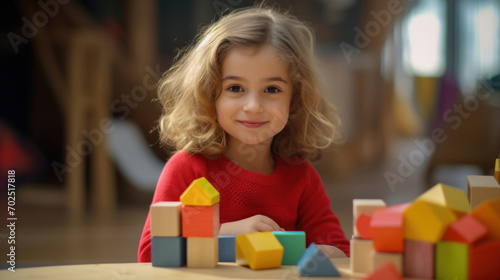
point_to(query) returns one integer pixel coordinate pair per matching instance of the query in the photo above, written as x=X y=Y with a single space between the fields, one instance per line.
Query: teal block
x=294 y=243
x=315 y=263
x=168 y=251
x=227 y=248
x=452 y=260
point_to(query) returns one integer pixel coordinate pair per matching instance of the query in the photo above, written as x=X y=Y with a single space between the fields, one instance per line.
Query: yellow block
x=200 y=193
x=425 y=221
x=497 y=170
x=447 y=196
x=259 y=250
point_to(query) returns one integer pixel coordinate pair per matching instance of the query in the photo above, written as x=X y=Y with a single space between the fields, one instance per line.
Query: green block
x=452 y=260
x=294 y=243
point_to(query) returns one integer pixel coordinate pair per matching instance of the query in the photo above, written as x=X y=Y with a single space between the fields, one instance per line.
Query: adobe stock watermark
x=453 y=117
x=363 y=38
x=95 y=137
x=39 y=20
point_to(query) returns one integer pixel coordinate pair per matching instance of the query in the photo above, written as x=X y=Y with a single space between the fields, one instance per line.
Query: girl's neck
x=255 y=158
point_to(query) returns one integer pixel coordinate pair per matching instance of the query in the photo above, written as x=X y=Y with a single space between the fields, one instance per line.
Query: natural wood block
x=447 y=196
x=168 y=251
x=294 y=245
x=364 y=206
x=200 y=221
x=315 y=263
x=488 y=214
x=387 y=229
x=481 y=188
x=425 y=221
x=484 y=261
x=451 y=260
x=202 y=251
x=166 y=219
x=361 y=255
x=419 y=259
x=259 y=250
x=200 y=193
x=379 y=259
x=465 y=230
x=385 y=272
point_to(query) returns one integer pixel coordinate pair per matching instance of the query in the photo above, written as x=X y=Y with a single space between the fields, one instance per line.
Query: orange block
x=385 y=272
x=387 y=229
x=465 y=230
x=488 y=214
x=363 y=226
x=200 y=221
x=484 y=260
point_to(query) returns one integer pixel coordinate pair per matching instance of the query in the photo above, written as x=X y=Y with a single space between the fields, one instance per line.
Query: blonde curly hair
x=189 y=89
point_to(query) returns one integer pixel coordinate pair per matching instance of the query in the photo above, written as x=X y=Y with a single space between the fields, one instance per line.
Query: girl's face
x=254 y=103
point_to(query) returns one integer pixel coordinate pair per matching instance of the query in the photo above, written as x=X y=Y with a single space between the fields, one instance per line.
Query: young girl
x=242 y=108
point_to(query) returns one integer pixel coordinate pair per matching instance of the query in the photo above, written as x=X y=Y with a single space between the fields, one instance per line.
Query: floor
x=46 y=235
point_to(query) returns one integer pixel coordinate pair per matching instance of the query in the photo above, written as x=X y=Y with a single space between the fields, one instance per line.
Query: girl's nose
x=253 y=103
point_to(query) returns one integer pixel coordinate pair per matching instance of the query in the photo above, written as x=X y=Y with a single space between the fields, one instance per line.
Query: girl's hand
x=255 y=223
x=331 y=251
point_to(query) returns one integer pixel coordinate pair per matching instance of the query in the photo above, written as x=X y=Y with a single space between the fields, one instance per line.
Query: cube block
x=387 y=229
x=419 y=259
x=315 y=263
x=385 y=272
x=227 y=248
x=259 y=250
x=466 y=230
x=447 y=196
x=166 y=219
x=200 y=193
x=379 y=259
x=168 y=251
x=451 y=260
x=425 y=221
x=488 y=214
x=202 y=252
x=200 y=221
x=294 y=245
x=364 y=206
x=481 y=188
x=484 y=260
x=361 y=255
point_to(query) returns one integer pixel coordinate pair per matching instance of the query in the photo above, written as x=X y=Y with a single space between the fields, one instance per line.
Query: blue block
x=227 y=248
x=168 y=251
x=315 y=263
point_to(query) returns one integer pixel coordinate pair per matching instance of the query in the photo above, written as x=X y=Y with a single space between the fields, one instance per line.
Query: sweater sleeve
x=176 y=176
x=316 y=218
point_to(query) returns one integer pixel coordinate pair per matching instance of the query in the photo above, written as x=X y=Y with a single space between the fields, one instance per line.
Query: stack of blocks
x=196 y=216
x=435 y=236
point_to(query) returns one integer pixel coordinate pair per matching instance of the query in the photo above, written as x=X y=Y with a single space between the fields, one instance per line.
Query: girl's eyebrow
x=270 y=79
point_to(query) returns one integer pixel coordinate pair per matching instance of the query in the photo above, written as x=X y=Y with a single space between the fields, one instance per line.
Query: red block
x=465 y=230
x=363 y=226
x=484 y=261
x=387 y=229
x=419 y=259
x=385 y=272
x=200 y=221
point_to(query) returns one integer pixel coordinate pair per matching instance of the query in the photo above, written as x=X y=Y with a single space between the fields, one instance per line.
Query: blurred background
x=416 y=84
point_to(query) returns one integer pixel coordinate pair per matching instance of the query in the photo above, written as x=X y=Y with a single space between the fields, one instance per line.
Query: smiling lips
x=252 y=124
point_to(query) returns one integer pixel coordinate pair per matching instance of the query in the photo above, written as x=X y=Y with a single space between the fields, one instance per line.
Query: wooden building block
x=497 y=170
x=488 y=214
x=200 y=221
x=202 y=251
x=385 y=272
x=166 y=219
x=379 y=259
x=259 y=250
x=484 y=260
x=227 y=248
x=294 y=245
x=387 y=228
x=418 y=259
x=465 y=230
x=361 y=255
x=363 y=226
x=425 y=221
x=200 y=193
x=447 y=196
x=364 y=206
x=315 y=263
x=452 y=260
x=481 y=188
x=168 y=251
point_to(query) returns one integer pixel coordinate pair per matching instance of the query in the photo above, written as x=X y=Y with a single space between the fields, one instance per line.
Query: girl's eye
x=235 y=88
x=272 y=90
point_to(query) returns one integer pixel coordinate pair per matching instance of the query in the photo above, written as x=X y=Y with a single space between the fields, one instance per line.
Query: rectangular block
x=451 y=260
x=419 y=259
x=387 y=228
x=379 y=259
x=361 y=255
x=259 y=250
x=227 y=248
x=202 y=252
x=200 y=221
x=294 y=244
x=168 y=251
x=497 y=170
x=166 y=219
x=481 y=188
x=484 y=260
x=365 y=206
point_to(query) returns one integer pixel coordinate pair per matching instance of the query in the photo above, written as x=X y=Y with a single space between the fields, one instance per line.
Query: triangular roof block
x=315 y=263
x=200 y=193
x=447 y=196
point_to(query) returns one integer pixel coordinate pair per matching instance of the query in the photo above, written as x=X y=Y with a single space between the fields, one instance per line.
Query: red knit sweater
x=293 y=196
